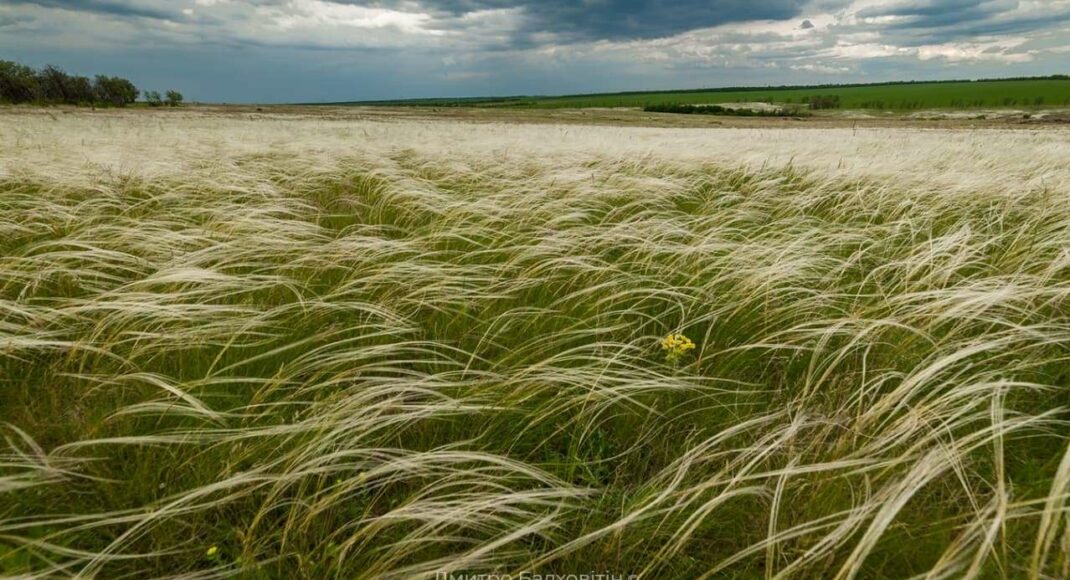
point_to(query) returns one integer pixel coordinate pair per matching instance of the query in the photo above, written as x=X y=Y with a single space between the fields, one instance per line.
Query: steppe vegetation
x=285 y=346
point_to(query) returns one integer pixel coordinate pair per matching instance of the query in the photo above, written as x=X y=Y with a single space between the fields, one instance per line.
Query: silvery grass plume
x=320 y=346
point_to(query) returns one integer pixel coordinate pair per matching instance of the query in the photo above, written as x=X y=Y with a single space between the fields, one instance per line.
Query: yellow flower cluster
x=675 y=347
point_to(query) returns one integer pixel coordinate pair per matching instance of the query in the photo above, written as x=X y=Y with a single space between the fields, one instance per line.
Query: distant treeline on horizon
x=50 y=85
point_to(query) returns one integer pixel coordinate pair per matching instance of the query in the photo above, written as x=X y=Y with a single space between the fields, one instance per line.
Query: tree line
x=50 y=85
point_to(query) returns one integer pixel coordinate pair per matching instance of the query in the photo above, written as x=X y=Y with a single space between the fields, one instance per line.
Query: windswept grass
x=294 y=348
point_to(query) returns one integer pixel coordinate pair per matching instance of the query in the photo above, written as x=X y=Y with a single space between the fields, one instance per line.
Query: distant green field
x=897 y=97
x=1025 y=93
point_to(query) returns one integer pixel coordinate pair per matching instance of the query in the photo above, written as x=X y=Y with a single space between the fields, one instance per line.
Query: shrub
x=820 y=102
x=174 y=98
x=683 y=109
x=115 y=91
x=18 y=83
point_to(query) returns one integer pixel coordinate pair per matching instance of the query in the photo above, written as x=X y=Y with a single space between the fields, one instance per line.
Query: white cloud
x=318 y=15
x=821 y=68
x=993 y=51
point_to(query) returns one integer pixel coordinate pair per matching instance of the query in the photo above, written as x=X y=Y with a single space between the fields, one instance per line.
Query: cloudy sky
x=331 y=50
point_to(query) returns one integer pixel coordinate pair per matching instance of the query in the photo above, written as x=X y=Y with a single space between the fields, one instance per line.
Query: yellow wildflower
x=213 y=551
x=675 y=347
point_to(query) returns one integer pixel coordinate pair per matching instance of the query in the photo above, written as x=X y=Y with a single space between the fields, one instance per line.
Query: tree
x=174 y=98
x=54 y=84
x=18 y=83
x=50 y=84
x=80 y=91
x=115 y=90
x=153 y=98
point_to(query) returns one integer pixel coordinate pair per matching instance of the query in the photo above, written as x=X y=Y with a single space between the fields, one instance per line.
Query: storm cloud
x=105 y=7
x=305 y=50
x=624 y=19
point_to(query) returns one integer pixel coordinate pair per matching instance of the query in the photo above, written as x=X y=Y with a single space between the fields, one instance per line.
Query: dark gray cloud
x=611 y=19
x=922 y=14
x=568 y=19
x=8 y=21
x=922 y=22
x=109 y=7
x=1017 y=25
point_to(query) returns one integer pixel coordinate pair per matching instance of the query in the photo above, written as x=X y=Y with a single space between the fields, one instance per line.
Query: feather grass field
x=282 y=346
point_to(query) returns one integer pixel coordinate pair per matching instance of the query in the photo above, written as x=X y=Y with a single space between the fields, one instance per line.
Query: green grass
x=1019 y=94
x=408 y=362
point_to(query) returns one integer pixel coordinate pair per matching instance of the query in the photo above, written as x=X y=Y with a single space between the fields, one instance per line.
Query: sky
x=272 y=51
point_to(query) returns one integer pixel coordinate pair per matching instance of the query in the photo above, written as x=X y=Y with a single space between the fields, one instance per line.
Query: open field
x=1033 y=94
x=1023 y=94
x=291 y=343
